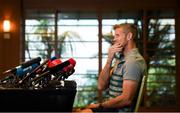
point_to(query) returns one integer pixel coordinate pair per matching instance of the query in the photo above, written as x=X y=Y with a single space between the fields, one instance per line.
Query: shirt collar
x=131 y=53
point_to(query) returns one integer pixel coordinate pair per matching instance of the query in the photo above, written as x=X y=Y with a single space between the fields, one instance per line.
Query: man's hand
x=113 y=49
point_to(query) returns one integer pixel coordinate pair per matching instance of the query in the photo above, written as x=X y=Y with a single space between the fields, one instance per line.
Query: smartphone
x=118 y=55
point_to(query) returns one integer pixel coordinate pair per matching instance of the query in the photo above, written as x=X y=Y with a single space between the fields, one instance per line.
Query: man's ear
x=129 y=36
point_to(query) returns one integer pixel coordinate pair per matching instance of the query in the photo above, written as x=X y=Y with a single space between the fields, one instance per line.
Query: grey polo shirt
x=132 y=67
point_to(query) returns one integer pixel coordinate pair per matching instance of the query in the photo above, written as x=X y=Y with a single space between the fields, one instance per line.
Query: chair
x=140 y=95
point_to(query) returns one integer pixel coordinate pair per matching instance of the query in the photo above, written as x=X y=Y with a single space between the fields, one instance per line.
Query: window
x=75 y=35
x=161 y=63
x=39 y=35
x=80 y=33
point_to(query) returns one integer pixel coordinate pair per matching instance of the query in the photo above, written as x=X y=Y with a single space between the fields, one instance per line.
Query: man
x=123 y=80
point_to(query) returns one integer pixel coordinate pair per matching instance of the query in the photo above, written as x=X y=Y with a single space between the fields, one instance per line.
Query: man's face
x=120 y=37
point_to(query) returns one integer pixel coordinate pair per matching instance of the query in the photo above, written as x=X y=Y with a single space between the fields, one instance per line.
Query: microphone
x=30 y=62
x=23 y=71
x=24 y=65
x=62 y=65
x=72 y=61
x=68 y=68
x=53 y=63
x=54 y=69
x=66 y=72
x=37 y=69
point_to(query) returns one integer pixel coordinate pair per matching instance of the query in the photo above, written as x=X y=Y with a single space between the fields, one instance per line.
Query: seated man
x=127 y=72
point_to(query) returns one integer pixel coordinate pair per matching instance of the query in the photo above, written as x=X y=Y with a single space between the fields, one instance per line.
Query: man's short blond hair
x=127 y=27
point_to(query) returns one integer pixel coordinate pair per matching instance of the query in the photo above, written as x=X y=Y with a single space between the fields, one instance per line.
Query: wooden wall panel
x=10 y=48
x=100 y=4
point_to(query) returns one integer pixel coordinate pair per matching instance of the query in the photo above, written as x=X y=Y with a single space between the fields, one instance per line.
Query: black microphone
x=66 y=72
x=30 y=62
x=24 y=65
x=37 y=69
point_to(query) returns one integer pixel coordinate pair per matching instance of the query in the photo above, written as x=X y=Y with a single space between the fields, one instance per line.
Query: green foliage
x=47 y=38
x=65 y=41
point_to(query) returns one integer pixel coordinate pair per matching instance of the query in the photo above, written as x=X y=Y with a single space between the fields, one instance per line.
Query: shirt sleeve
x=132 y=71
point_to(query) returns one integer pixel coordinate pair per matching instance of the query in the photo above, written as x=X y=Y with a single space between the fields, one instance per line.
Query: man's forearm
x=117 y=102
x=103 y=79
x=125 y=99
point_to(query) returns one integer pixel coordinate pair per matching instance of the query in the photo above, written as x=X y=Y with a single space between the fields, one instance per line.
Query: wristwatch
x=101 y=106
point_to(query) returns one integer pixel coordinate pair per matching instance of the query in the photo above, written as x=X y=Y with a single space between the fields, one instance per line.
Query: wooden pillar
x=100 y=98
x=144 y=38
x=177 y=44
x=56 y=34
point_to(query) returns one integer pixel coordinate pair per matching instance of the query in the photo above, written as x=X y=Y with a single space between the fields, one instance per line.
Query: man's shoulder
x=136 y=62
x=135 y=59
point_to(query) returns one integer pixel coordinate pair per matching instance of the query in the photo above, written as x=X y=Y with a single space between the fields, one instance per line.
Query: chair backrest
x=140 y=95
